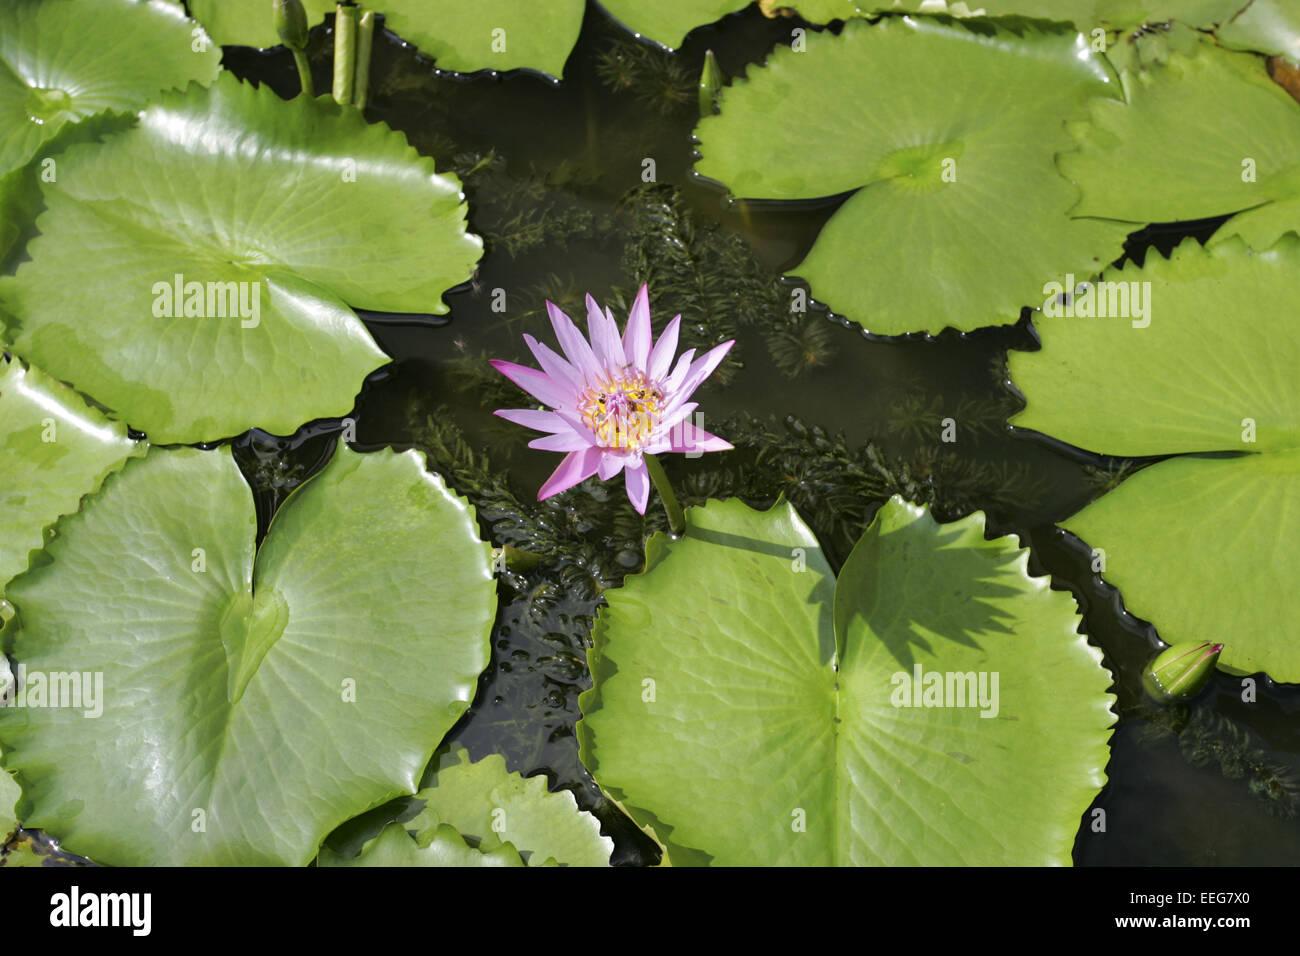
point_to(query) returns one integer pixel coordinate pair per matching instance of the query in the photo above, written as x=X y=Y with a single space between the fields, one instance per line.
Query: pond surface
x=834 y=418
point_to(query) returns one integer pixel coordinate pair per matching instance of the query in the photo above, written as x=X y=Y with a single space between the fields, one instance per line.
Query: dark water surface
x=553 y=173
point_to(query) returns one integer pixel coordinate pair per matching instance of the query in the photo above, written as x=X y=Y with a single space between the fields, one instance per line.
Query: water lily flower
x=615 y=402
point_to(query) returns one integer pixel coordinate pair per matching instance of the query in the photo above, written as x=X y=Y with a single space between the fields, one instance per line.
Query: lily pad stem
x=365 y=41
x=345 y=53
x=676 y=517
x=304 y=73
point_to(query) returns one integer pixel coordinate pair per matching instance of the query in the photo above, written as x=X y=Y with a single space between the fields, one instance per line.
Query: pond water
x=832 y=417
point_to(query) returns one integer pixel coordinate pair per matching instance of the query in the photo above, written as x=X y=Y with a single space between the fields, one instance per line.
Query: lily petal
x=604 y=338
x=636 y=337
x=610 y=465
x=575 y=346
x=577 y=466
x=679 y=373
x=563 y=441
x=638 y=486
x=554 y=366
x=535 y=418
x=537 y=384
x=687 y=438
x=703 y=367
x=661 y=356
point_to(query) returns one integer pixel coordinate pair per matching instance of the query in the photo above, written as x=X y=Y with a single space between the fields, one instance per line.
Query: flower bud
x=1181 y=670
x=291 y=23
x=710 y=84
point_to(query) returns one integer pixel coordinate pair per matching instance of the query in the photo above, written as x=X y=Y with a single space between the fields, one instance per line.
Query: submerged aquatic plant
x=614 y=402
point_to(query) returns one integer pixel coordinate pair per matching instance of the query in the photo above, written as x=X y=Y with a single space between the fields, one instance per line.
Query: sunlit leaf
x=1203 y=547
x=252 y=700
x=444 y=847
x=668 y=21
x=940 y=128
x=459 y=36
x=747 y=706
x=279 y=217
x=64 y=60
x=1133 y=163
x=53 y=450
x=480 y=814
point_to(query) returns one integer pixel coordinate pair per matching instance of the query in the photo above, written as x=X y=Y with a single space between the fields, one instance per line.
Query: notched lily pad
x=54 y=449
x=441 y=846
x=1133 y=162
x=667 y=22
x=216 y=250
x=64 y=60
x=479 y=814
x=244 y=702
x=755 y=711
x=1214 y=372
x=459 y=36
x=937 y=125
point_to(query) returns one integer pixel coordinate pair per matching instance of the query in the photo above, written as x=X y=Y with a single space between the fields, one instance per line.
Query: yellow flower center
x=624 y=412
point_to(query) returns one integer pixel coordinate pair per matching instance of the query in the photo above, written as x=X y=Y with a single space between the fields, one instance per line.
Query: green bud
x=291 y=23
x=1180 y=671
x=710 y=84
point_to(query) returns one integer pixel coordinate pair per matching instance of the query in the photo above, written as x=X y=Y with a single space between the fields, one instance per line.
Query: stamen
x=623 y=412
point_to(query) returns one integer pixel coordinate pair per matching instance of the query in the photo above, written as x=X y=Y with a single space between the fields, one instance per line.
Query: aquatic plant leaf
x=1133 y=164
x=251 y=22
x=491 y=34
x=937 y=126
x=459 y=36
x=724 y=716
x=1213 y=372
x=480 y=814
x=444 y=847
x=820 y=11
x=1087 y=15
x=280 y=216
x=1268 y=26
x=64 y=60
x=491 y=806
x=251 y=701
x=667 y=22
x=9 y=789
x=54 y=449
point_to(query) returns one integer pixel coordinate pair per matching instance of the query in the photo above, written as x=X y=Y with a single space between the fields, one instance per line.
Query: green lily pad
x=667 y=22
x=1216 y=366
x=251 y=701
x=1268 y=26
x=459 y=36
x=250 y=22
x=491 y=34
x=291 y=212
x=64 y=60
x=480 y=814
x=1133 y=163
x=443 y=847
x=54 y=449
x=753 y=710
x=9 y=789
x=941 y=124
x=491 y=806
x=1087 y=15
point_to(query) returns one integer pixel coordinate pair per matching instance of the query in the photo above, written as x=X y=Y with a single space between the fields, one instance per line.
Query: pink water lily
x=613 y=401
